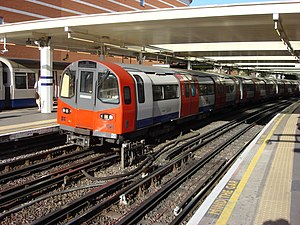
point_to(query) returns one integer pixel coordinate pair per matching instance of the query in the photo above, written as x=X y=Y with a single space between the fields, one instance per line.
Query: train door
x=144 y=100
x=185 y=96
x=220 y=94
x=85 y=97
x=194 y=95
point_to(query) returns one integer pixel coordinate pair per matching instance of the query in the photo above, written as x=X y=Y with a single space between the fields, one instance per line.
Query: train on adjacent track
x=101 y=101
x=17 y=79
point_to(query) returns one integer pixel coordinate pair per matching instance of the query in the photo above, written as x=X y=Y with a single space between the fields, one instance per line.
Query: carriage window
x=31 y=80
x=127 y=95
x=108 y=88
x=210 y=89
x=165 y=92
x=202 y=89
x=249 y=87
x=229 y=88
x=193 y=89
x=4 y=77
x=263 y=86
x=68 y=84
x=140 y=88
x=187 y=90
x=206 y=89
x=157 y=93
x=20 y=80
x=86 y=82
x=170 y=91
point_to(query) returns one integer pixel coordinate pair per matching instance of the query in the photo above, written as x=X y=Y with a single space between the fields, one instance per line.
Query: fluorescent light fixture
x=7 y=43
x=31 y=46
x=61 y=50
x=86 y=53
x=79 y=39
x=82 y=39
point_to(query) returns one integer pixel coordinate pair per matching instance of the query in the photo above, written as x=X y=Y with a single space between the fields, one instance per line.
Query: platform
x=263 y=186
x=19 y=123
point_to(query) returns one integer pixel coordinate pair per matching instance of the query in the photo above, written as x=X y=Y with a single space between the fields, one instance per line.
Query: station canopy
x=259 y=36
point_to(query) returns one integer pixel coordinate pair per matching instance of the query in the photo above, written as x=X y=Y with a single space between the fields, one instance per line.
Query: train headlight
x=106 y=116
x=66 y=110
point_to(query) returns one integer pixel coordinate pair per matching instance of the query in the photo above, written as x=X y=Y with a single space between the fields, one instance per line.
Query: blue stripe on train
x=19 y=103
x=206 y=108
x=1 y=104
x=155 y=120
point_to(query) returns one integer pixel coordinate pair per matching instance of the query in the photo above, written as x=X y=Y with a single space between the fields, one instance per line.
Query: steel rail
x=52 y=180
x=27 y=170
x=44 y=155
x=207 y=137
x=91 y=213
x=77 y=205
x=182 y=210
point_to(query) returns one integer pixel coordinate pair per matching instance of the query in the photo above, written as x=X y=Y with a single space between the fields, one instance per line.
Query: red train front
x=94 y=102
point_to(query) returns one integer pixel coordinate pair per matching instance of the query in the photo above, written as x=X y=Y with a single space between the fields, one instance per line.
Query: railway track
x=26 y=191
x=155 y=179
x=30 y=145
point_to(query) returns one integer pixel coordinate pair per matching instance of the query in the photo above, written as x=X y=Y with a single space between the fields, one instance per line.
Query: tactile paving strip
x=276 y=197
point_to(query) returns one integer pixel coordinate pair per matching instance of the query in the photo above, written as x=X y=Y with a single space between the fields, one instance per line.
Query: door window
x=86 y=82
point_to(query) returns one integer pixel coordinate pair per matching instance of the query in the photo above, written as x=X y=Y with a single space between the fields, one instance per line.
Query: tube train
x=17 y=79
x=101 y=101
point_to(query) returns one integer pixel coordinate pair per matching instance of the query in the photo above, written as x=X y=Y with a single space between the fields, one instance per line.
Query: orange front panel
x=127 y=112
x=90 y=120
x=84 y=119
x=109 y=126
x=63 y=118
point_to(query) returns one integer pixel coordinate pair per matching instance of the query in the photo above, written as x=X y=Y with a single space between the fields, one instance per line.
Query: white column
x=140 y=58
x=46 y=79
x=189 y=65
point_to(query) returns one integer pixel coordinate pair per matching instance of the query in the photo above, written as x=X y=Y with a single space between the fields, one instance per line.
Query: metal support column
x=140 y=58
x=189 y=65
x=46 y=77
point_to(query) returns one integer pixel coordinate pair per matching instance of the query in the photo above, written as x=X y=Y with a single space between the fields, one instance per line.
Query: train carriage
x=271 y=89
x=18 y=79
x=206 y=87
x=246 y=89
x=101 y=101
x=18 y=84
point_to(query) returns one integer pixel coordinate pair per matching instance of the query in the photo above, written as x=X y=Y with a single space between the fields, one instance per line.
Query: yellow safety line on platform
x=235 y=196
x=23 y=125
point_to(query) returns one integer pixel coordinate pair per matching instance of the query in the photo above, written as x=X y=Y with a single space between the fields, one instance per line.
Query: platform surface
x=263 y=186
x=24 y=122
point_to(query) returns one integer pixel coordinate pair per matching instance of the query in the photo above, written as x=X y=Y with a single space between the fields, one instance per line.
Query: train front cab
x=96 y=100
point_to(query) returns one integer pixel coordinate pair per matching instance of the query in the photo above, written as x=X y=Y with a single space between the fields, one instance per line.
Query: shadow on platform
x=276 y=222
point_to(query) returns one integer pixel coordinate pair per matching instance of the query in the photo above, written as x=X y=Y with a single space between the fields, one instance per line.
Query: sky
x=214 y=2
